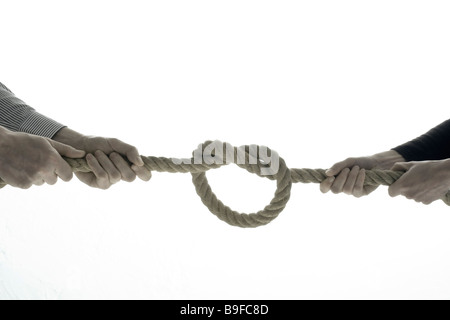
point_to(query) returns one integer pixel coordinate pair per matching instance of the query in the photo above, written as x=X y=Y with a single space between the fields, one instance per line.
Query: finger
x=39 y=182
x=422 y=199
x=124 y=168
x=402 y=166
x=102 y=180
x=369 y=190
x=143 y=173
x=358 y=190
x=25 y=185
x=66 y=150
x=338 y=184
x=338 y=167
x=128 y=150
x=113 y=173
x=50 y=178
x=88 y=178
x=64 y=171
x=425 y=196
x=21 y=181
x=351 y=179
x=395 y=189
x=326 y=184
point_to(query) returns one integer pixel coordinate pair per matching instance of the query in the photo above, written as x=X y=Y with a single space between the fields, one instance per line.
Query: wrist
x=445 y=167
x=4 y=133
x=385 y=160
x=70 y=137
x=3 y=130
x=3 y=137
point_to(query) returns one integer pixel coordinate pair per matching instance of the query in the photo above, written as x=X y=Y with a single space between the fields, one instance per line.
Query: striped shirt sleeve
x=16 y=115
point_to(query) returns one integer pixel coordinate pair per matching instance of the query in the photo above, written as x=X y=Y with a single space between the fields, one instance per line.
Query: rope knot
x=255 y=159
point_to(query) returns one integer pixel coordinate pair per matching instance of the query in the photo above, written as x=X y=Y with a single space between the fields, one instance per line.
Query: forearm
x=387 y=159
x=433 y=145
x=70 y=137
x=3 y=132
x=17 y=116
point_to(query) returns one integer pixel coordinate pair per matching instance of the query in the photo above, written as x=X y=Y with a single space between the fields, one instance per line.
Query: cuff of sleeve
x=40 y=125
x=404 y=152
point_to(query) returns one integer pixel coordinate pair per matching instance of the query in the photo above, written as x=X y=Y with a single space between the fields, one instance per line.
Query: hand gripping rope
x=250 y=159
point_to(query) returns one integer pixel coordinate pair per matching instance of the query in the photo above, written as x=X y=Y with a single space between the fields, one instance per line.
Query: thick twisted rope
x=249 y=158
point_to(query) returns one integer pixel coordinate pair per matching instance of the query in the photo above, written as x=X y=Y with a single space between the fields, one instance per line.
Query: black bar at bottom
x=223 y=309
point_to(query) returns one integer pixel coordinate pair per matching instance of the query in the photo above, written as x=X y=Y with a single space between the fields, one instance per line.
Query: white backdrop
x=318 y=81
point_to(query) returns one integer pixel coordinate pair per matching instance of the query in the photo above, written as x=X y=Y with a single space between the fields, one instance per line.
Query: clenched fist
x=27 y=160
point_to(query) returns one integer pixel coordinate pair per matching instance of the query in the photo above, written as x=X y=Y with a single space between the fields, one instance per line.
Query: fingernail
x=332 y=179
x=140 y=162
x=328 y=172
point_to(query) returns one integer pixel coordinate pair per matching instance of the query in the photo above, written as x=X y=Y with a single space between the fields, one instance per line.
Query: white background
x=318 y=81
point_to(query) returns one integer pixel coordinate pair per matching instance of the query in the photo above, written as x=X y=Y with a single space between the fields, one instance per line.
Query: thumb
x=339 y=166
x=403 y=166
x=66 y=150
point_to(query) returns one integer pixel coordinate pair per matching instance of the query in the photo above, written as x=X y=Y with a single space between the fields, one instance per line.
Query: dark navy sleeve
x=433 y=145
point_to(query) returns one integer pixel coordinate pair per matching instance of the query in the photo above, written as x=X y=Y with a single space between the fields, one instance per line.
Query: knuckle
x=116 y=177
x=348 y=190
x=114 y=140
x=133 y=150
x=21 y=183
x=98 y=153
x=358 y=191
x=335 y=189
x=349 y=161
x=103 y=176
x=114 y=156
x=114 y=143
x=24 y=185
x=130 y=150
x=104 y=186
x=146 y=177
x=392 y=191
x=324 y=187
x=69 y=176
x=129 y=177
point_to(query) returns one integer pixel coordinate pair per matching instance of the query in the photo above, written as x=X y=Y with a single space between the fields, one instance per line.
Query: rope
x=248 y=158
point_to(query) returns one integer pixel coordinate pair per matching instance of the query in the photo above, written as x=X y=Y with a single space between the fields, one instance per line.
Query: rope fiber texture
x=245 y=158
